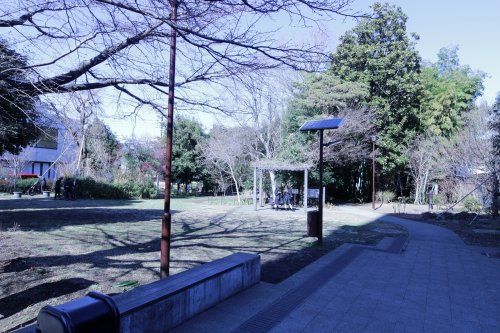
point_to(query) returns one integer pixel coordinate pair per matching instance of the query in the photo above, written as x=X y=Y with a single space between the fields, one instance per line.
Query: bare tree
x=473 y=154
x=75 y=112
x=260 y=105
x=495 y=162
x=101 y=151
x=14 y=164
x=425 y=161
x=77 y=45
x=357 y=127
x=227 y=153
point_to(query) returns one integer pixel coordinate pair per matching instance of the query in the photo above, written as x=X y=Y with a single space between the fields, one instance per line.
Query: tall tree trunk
x=416 y=201
x=359 y=181
x=235 y=184
x=424 y=185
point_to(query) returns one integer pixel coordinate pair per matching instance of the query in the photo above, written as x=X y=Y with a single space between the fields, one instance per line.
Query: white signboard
x=313 y=193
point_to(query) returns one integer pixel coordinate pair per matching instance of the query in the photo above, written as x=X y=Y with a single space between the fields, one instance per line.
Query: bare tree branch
x=78 y=45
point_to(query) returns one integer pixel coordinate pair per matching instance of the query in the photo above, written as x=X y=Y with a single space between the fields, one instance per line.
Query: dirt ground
x=54 y=251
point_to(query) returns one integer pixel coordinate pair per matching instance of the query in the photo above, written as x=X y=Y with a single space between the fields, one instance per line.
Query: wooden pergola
x=272 y=165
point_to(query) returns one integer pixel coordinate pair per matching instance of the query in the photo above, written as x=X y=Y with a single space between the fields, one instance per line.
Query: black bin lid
x=96 y=313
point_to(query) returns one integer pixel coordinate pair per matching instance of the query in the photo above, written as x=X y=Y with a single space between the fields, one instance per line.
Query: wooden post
x=320 y=203
x=306 y=176
x=261 y=194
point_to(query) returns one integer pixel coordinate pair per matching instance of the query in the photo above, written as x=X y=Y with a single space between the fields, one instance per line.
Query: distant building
x=53 y=152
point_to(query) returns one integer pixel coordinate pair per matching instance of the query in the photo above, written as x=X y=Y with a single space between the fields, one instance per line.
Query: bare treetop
x=76 y=45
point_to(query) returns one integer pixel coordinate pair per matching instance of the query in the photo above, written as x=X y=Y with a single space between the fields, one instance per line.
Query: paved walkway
x=437 y=285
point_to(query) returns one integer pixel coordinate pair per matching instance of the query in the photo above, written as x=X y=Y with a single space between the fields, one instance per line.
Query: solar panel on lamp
x=315 y=125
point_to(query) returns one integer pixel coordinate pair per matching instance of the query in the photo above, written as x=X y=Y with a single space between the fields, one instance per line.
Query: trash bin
x=313 y=224
x=96 y=313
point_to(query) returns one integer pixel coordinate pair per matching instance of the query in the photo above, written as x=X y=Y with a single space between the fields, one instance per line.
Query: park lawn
x=53 y=251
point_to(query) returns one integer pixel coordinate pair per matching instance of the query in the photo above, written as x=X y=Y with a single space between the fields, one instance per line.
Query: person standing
x=57 y=188
x=66 y=188
x=43 y=185
x=73 y=189
x=288 y=197
x=277 y=198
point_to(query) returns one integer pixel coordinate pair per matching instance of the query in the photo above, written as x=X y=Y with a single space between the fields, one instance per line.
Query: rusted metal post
x=320 y=204
x=166 y=223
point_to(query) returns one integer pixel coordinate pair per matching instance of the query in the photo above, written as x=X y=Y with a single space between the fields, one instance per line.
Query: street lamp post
x=320 y=126
x=320 y=204
x=374 y=139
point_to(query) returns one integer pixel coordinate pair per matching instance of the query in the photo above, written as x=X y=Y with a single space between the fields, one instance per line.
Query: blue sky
x=473 y=26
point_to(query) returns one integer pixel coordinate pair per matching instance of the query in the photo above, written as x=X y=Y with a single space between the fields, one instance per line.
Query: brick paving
x=437 y=285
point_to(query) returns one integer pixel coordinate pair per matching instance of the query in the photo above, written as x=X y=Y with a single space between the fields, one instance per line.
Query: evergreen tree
x=448 y=60
x=380 y=53
x=319 y=95
x=17 y=110
x=449 y=90
x=186 y=151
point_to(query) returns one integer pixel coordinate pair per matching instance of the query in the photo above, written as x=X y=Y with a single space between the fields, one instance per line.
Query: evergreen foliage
x=17 y=110
x=379 y=53
x=448 y=91
x=89 y=188
x=187 y=164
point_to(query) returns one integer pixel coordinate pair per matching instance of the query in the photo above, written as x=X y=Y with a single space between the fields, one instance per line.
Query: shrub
x=22 y=185
x=440 y=199
x=472 y=205
x=144 y=189
x=90 y=188
x=385 y=196
x=5 y=186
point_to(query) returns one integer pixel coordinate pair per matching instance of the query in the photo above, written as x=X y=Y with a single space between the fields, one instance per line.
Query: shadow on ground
x=51 y=219
x=282 y=267
x=19 y=301
x=41 y=203
x=199 y=236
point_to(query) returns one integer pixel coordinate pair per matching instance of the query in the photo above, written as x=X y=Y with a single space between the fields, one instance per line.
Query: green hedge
x=88 y=188
x=22 y=185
